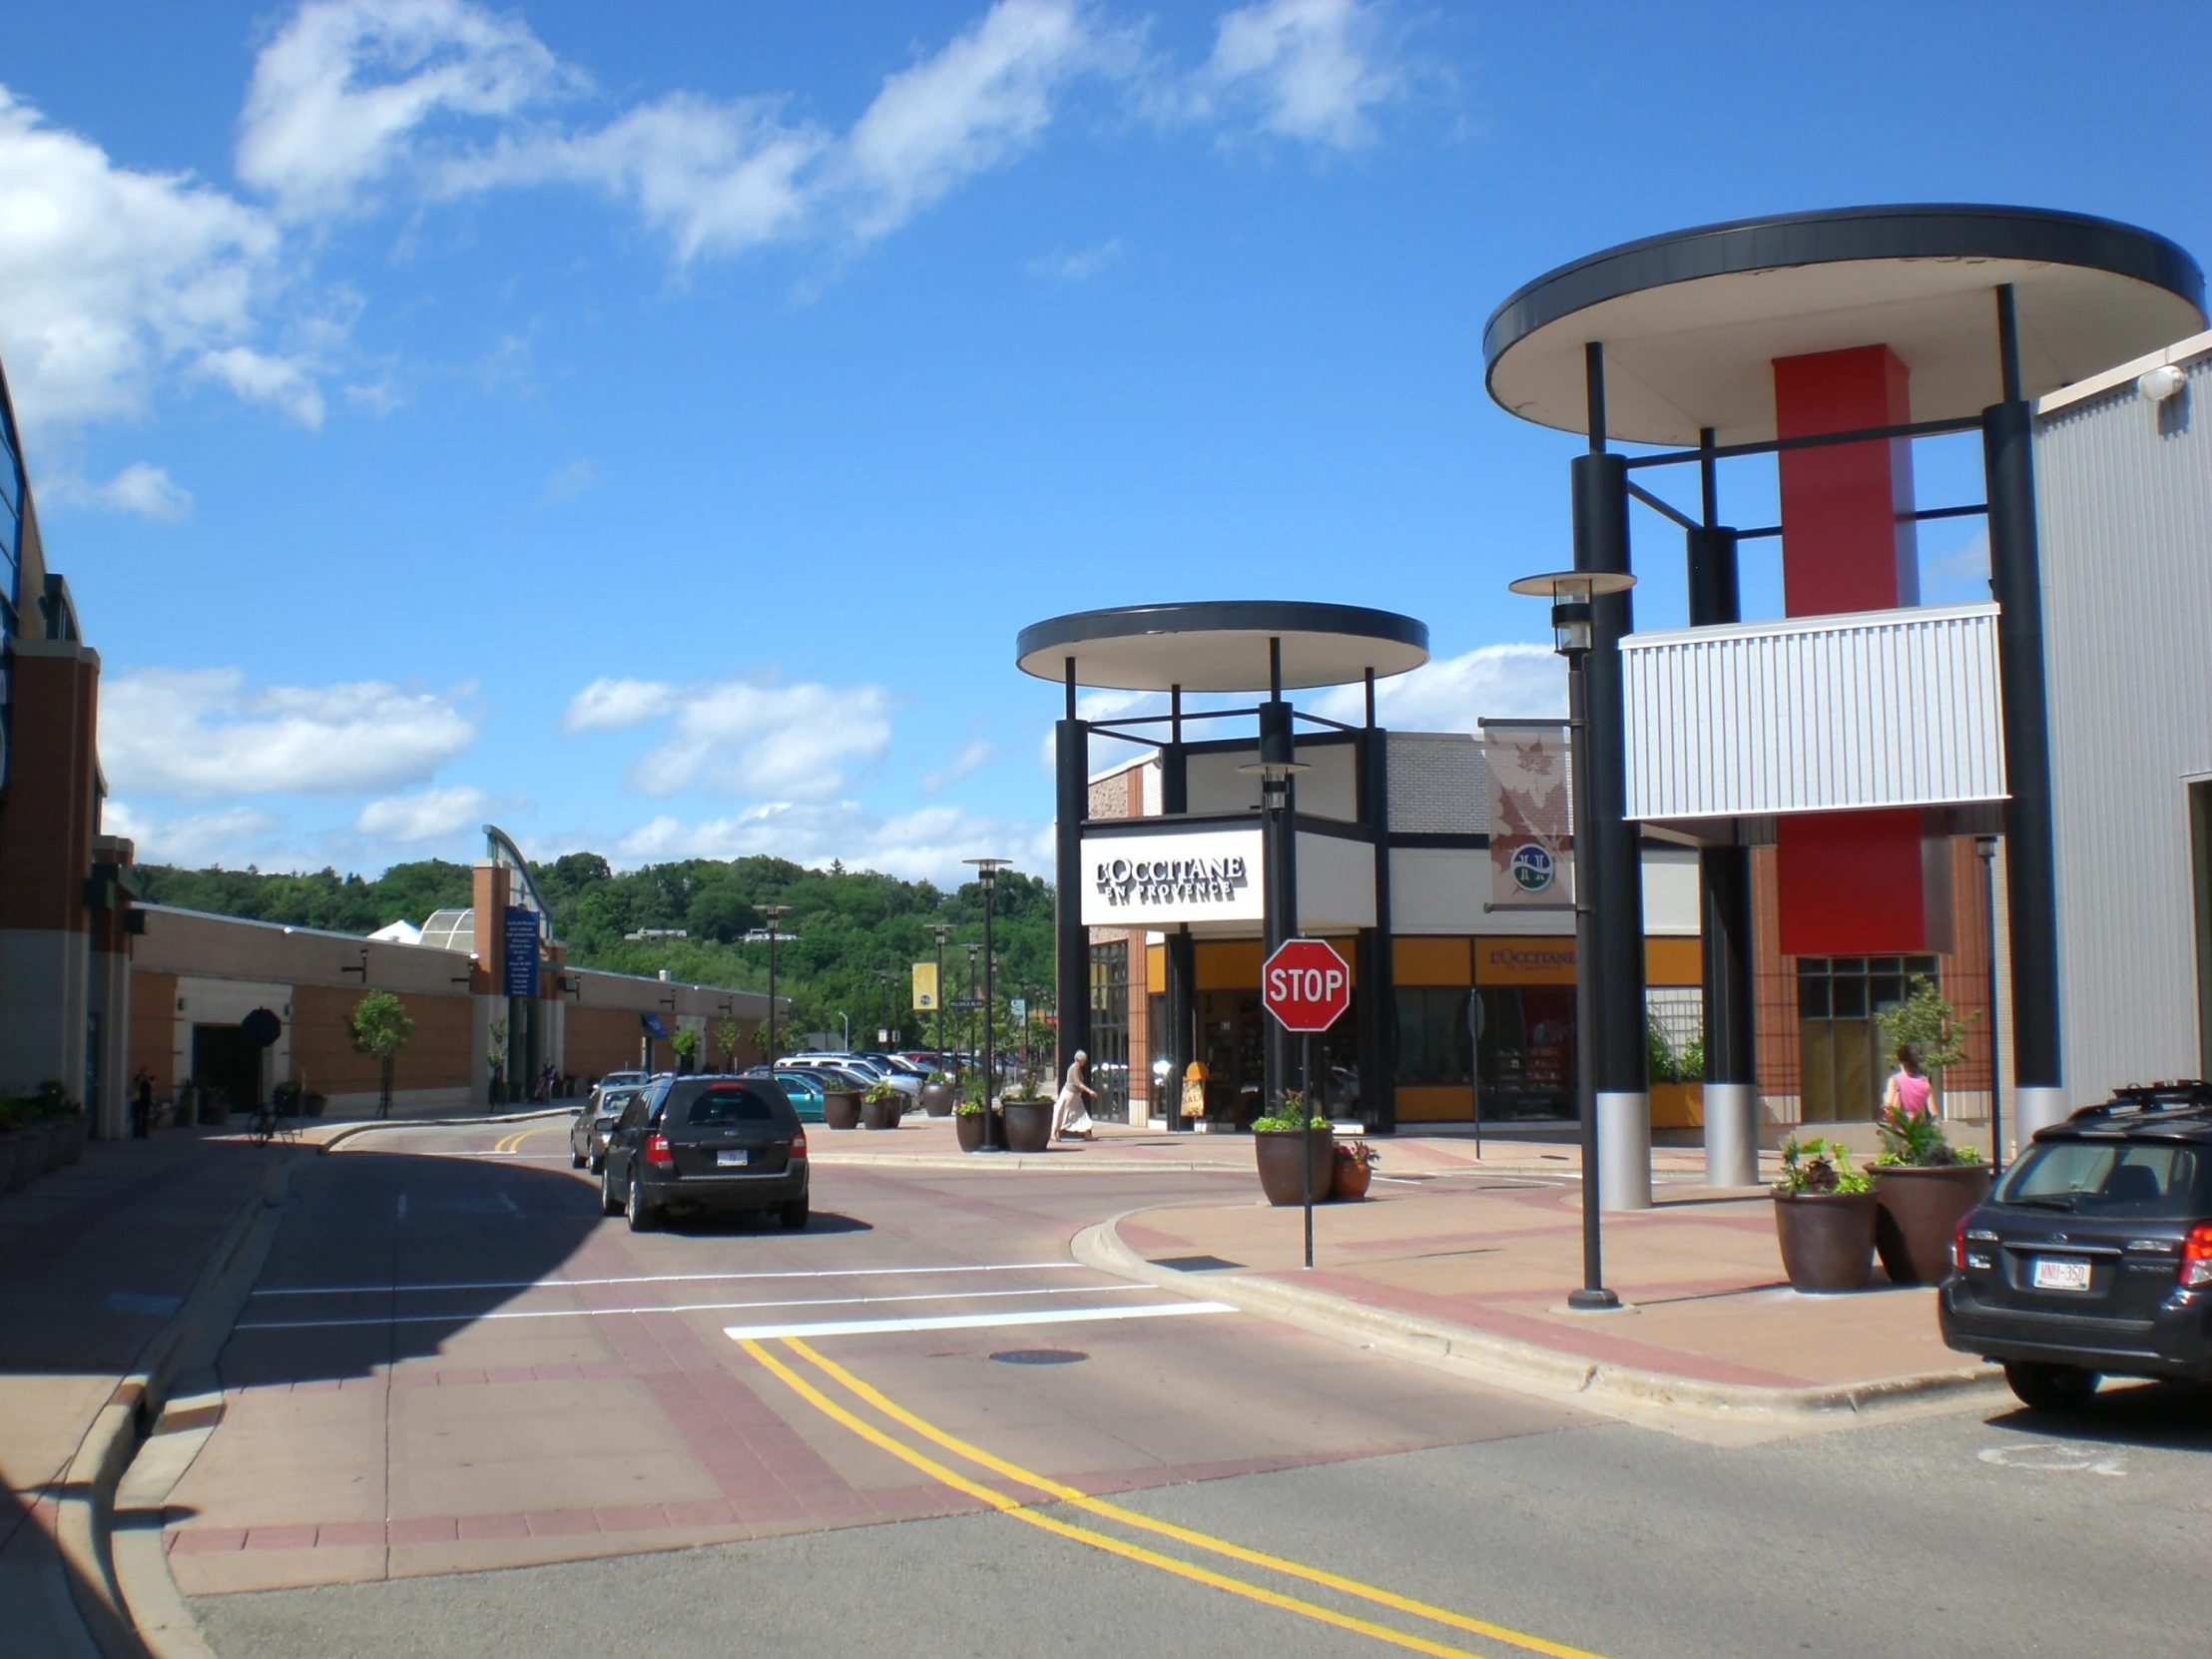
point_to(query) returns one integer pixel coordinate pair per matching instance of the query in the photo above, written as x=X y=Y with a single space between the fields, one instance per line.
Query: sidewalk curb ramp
x=1527 y=1367
x=108 y=1522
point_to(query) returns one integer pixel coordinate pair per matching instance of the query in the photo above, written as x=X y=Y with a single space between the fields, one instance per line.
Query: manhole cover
x=1040 y=1356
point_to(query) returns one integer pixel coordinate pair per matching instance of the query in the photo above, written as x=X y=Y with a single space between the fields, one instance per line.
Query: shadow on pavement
x=2169 y=1416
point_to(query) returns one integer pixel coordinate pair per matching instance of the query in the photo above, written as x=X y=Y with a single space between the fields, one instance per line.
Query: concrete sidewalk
x=95 y=1261
x=1474 y=1270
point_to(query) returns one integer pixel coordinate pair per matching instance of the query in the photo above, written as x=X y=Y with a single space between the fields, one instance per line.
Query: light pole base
x=1587 y=1300
x=1624 y=1151
x=1731 y=1135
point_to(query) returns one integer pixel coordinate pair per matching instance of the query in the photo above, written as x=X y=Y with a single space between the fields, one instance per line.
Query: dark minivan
x=2093 y=1256
x=705 y=1143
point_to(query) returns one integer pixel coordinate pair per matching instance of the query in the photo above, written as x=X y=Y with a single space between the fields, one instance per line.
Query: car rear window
x=2155 y=1180
x=729 y=1105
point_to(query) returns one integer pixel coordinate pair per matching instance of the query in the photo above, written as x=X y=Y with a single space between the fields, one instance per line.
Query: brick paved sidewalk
x=1701 y=1272
x=94 y=1261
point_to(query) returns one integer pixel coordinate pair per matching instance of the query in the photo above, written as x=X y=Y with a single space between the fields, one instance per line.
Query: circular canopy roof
x=1692 y=321
x=1221 y=645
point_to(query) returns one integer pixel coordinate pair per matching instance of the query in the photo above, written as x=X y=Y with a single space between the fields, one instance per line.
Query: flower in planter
x=879 y=1094
x=1915 y=1140
x=1289 y=1114
x=1359 y=1152
x=1816 y=1167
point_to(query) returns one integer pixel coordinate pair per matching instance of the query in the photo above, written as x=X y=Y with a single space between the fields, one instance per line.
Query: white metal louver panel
x=1815 y=714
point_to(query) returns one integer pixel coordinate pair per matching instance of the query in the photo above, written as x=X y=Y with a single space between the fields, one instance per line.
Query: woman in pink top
x=1907 y=1090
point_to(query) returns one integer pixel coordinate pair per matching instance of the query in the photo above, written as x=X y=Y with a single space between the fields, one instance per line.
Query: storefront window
x=1109 y=1049
x=1840 y=1055
x=1525 y=1053
x=1435 y=1046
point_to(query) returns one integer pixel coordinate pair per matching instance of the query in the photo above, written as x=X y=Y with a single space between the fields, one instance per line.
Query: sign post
x=1306 y=988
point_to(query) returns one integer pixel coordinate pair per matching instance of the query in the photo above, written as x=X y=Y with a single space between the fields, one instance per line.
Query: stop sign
x=1306 y=985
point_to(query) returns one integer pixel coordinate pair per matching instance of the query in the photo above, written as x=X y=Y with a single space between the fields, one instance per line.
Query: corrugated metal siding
x=1816 y=713
x=2124 y=506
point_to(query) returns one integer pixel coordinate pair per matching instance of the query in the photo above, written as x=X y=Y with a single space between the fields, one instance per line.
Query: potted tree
x=382 y=1025
x=1824 y=1218
x=969 y=1120
x=1356 y=1161
x=1288 y=1143
x=880 y=1107
x=841 y=1104
x=937 y=1095
x=1028 y=1119
x=1922 y=1186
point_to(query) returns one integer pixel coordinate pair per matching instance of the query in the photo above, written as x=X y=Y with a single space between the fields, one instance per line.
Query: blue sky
x=648 y=426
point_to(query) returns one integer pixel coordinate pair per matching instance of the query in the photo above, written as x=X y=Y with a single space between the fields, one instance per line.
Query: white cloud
x=970 y=757
x=1077 y=267
x=1451 y=692
x=232 y=836
x=138 y=488
x=341 y=94
x=1309 y=70
x=930 y=843
x=571 y=479
x=108 y=275
x=257 y=378
x=610 y=705
x=424 y=816
x=200 y=732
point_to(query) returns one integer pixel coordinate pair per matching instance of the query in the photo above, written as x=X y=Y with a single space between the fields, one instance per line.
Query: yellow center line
x=1084 y=1536
x=1182 y=1535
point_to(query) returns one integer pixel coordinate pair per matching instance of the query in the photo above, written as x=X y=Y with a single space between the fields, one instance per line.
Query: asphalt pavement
x=474 y=1416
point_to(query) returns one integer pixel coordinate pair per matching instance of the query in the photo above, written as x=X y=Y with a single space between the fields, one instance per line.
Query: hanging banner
x=926 y=987
x=1531 y=819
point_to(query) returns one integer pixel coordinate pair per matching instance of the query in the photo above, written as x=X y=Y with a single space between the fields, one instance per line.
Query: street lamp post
x=941 y=928
x=773 y=932
x=890 y=980
x=987 y=872
x=973 y=952
x=1571 y=593
x=1278 y=895
x=1986 y=847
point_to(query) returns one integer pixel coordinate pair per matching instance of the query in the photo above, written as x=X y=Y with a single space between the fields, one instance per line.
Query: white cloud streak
x=1451 y=692
x=141 y=488
x=428 y=816
x=193 y=733
x=1309 y=70
x=970 y=757
x=739 y=737
x=925 y=844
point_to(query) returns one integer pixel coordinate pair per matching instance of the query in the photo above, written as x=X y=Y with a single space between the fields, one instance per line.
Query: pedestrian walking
x=1071 y=1121
x=142 y=1106
x=1907 y=1088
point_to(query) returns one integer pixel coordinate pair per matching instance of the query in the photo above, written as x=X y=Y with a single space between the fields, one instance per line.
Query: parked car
x=707 y=1143
x=865 y=1068
x=2093 y=1256
x=587 y=1135
x=622 y=1079
x=802 y=1088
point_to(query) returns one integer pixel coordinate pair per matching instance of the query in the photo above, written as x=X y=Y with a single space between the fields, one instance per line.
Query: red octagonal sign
x=1306 y=985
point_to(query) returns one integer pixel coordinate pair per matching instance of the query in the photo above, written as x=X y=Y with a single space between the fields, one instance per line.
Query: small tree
x=1928 y=1023
x=381 y=1027
x=685 y=1045
x=725 y=1034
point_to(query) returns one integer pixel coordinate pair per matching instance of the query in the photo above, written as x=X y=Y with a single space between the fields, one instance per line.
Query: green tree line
x=852 y=925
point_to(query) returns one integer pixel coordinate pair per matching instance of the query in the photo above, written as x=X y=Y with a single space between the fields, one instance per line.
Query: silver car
x=587 y=1136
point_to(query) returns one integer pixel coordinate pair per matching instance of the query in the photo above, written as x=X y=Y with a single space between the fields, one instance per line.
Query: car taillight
x=2196 y=1256
x=799 y=1145
x=656 y=1150
x=1959 y=1247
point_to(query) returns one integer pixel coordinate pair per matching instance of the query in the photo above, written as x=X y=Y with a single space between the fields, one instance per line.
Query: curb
x=351 y=1130
x=85 y=1529
x=1057 y=1163
x=1528 y=1366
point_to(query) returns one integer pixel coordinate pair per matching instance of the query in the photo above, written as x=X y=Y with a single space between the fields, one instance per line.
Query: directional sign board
x=1306 y=985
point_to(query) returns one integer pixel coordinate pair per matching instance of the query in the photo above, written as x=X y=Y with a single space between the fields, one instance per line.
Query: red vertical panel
x=1850 y=883
x=1844 y=547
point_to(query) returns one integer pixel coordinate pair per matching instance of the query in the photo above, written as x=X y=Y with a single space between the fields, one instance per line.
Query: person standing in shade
x=1908 y=1089
x=1071 y=1120
x=142 y=1107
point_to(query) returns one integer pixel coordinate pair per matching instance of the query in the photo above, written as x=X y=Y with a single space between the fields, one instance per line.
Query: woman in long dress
x=1071 y=1121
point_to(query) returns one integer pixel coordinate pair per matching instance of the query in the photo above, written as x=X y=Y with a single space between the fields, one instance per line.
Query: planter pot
x=878 y=1114
x=73 y=1148
x=840 y=1109
x=1827 y=1239
x=1351 y=1178
x=30 y=1155
x=1028 y=1124
x=13 y=1172
x=1283 y=1156
x=315 y=1103
x=216 y=1111
x=970 y=1127
x=1916 y=1212
x=57 y=1145
x=936 y=1099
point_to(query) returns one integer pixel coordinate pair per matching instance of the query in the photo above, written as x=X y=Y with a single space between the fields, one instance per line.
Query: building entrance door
x=1233 y=1043
x=1842 y=1059
x=227 y=1065
x=1109 y=1046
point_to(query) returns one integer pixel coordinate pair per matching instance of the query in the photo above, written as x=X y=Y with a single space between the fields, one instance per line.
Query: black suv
x=2093 y=1256
x=705 y=1143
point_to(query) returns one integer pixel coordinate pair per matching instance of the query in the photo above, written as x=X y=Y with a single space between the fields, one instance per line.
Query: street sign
x=262 y=1028
x=1017 y=1009
x=1306 y=985
x=519 y=957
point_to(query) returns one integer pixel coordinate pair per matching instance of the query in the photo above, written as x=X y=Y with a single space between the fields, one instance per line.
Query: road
x=472 y=1416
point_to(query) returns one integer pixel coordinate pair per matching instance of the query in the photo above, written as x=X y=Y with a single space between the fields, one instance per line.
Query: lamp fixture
x=1571 y=593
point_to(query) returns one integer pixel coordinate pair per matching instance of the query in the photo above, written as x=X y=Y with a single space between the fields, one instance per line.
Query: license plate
x=733 y=1157
x=2061 y=1273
